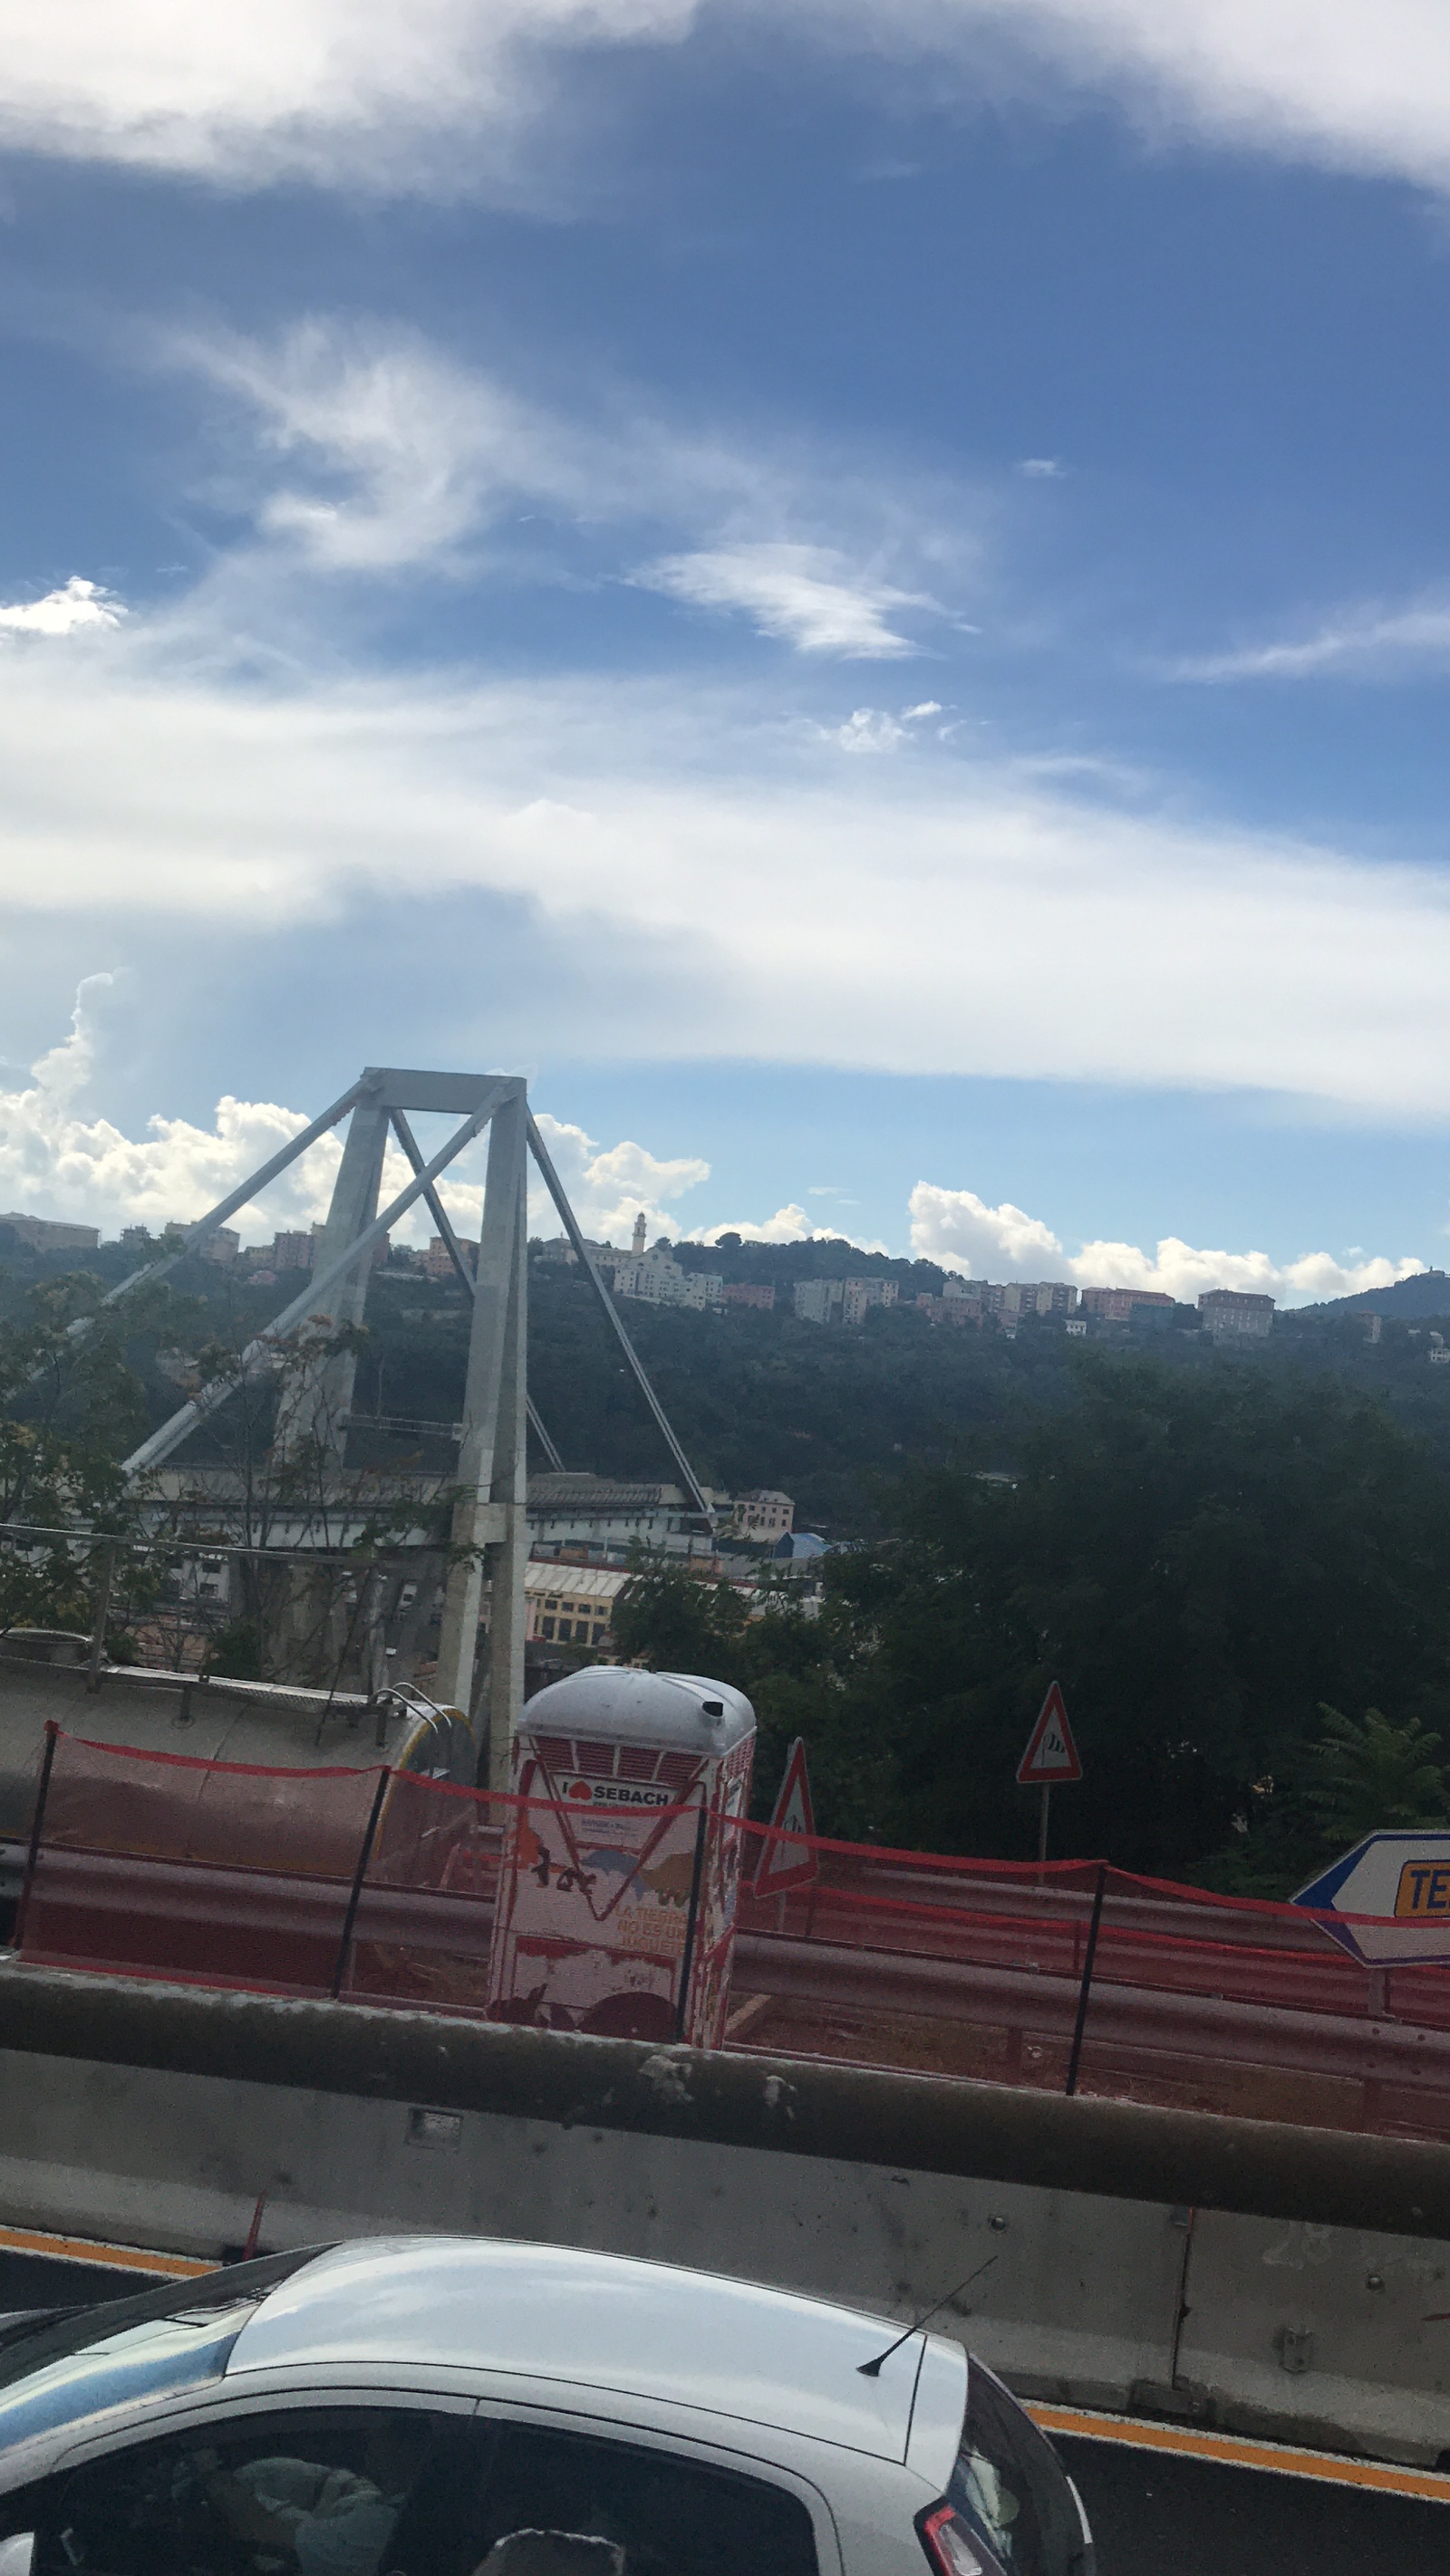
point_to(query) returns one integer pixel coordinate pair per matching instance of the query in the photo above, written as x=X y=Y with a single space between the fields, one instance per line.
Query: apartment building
x=657 y=1279
x=1230 y=1316
x=1118 y=1305
x=762 y=1515
x=842 y=1301
x=52 y=1234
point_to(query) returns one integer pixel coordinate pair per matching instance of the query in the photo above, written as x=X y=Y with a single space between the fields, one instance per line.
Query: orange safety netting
x=163 y=1863
x=383 y=1887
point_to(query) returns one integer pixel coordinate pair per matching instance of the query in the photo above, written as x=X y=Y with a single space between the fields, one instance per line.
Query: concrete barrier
x=158 y=2114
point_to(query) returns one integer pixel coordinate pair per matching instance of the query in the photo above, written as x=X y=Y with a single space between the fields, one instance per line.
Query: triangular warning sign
x=785 y=1865
x=1051 y=1754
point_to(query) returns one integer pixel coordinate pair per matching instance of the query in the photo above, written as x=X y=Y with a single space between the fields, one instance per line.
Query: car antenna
x=872 y=2369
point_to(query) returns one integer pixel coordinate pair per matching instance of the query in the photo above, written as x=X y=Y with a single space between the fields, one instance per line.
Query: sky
x=860 y=591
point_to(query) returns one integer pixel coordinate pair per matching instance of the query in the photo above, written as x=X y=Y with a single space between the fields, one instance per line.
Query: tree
x=677 y=1622
x=1368 y=1776
x=1201 y=1559
x=808 y=1675
x=71 y=1405
x=1360 y=1776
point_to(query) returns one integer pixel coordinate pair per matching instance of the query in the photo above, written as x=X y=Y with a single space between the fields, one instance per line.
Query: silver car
x=435 y=2406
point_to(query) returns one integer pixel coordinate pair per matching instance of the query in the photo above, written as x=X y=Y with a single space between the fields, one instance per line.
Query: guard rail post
x=688 y=1961
x=359 y=1874
x=1085 y=1989
x=47 y=1764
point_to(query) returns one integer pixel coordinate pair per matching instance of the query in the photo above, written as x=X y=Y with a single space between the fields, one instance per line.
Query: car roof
x=606 y=2323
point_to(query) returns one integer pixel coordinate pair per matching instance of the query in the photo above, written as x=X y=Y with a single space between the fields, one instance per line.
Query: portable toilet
x=616 y=1897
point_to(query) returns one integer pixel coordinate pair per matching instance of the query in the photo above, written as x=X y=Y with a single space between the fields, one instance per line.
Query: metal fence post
x=1087 y=1978
x=52 y=1731
x=104 y=1580
x=688 y=1963
x=355 y=1893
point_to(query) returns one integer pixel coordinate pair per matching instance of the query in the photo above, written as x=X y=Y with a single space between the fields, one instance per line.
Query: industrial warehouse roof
x=599 y=1494
x=582 y=1582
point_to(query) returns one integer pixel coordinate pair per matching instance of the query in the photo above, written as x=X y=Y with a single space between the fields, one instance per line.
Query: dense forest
x=1242 y=1583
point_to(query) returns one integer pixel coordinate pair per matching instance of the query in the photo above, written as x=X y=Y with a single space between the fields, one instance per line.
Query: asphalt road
x=33 y=2281
x=1152 y=2514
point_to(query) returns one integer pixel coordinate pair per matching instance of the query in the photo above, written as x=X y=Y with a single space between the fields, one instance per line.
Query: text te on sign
x=1423 y=1894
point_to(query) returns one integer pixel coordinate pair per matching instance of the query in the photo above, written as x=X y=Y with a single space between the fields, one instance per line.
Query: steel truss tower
x=490 y=1537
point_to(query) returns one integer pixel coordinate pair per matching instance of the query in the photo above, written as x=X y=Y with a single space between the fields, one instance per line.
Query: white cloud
x=1185 y=1273
x=607 y=1187
x=404 y=453
x=75 y=605
x=348 y=90
x=1040 y=469
x=958 y=1230
x=1362 y=84
x=53 y=1160
x=963 y=1233
x=361 y=447
x=867 y=729
x=807 y=595
x=871 y=729
x=1363 y=639
x=788 y=1225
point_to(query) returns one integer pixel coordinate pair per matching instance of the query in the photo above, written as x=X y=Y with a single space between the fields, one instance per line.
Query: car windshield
x=140 y=2361
x=1010 y=2488
x=86 y=2360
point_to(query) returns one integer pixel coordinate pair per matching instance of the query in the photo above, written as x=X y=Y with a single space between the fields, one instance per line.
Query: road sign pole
x=1051 y=1756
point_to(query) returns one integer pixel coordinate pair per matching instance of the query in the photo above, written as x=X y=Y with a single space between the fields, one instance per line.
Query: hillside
x=832 y=1418
x=1423 y=1299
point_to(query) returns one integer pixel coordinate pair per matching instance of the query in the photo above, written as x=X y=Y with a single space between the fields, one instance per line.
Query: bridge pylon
x=490 y=1539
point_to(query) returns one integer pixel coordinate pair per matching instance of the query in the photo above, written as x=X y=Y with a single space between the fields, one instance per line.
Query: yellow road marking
x=1229 y=2450
x=86 y=2249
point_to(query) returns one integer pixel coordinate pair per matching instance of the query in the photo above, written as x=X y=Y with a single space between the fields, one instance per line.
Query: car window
x=321 y=2491
x=565 y=2504
x=1009 y=2487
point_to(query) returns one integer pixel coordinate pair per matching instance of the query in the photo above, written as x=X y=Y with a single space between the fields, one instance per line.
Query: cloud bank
x=428 y=94
x=55 y=1161
x=932 y=913
x=957 y=1229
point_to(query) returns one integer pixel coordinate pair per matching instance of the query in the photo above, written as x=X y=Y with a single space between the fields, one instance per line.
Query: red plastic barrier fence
x=382 y=1887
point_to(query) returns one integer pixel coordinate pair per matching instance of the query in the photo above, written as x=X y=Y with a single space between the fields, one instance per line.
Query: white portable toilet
x=616 y=1900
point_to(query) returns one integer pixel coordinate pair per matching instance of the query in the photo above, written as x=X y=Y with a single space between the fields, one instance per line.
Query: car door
x=315 y=2487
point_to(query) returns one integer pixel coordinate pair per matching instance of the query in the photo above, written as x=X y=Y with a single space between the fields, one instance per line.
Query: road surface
x=1154 y=2514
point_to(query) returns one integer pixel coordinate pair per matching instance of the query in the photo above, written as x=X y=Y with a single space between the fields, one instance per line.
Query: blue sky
x=862 y=592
